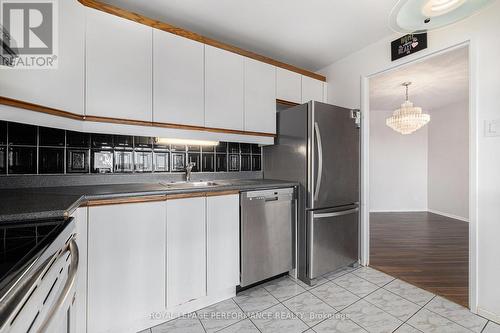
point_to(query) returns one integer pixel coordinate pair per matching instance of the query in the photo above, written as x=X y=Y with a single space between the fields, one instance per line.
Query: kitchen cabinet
x=288 y=85
x=260 y=97
x=325 y=92
x=78 y=313
x=223 y=242
x=118 y=67
x=224 y=89
x=186 y=250
x=312 y=89
x=62 y=87
x=126 y=265
x=178 y=79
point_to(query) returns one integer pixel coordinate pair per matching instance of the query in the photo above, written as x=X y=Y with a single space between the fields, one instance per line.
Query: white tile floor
x=350 y=301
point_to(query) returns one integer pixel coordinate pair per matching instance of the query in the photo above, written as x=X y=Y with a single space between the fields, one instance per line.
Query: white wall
x=448 y=161
x=483 y=33
x=398 y=167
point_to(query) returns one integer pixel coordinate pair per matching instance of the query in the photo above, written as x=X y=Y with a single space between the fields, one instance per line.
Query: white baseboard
x=489 y=315
x=162 y=316
x=456 y=217
x=397 y=210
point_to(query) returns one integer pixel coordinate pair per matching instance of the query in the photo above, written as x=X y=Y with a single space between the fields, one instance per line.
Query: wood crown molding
x=110 y=9
x=65 y=114
x=155 y=198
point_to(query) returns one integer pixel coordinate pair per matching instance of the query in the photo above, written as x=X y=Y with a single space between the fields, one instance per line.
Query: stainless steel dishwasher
x=267 y=229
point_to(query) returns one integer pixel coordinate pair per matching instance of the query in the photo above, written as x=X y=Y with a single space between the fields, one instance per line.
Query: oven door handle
x=72 y=248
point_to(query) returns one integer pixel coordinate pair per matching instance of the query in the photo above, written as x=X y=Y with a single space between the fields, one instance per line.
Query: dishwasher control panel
x=280 y=193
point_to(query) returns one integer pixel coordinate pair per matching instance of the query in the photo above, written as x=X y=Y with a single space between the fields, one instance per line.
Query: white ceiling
x=307 y=33
x=436 y=82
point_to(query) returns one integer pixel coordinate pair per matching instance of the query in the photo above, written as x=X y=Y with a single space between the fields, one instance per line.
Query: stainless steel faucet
x=189 y=167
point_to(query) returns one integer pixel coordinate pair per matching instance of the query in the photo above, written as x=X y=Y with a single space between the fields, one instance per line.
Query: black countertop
x=58 y=202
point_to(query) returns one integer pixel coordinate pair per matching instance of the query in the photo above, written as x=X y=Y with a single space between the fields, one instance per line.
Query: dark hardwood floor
x=427 y=250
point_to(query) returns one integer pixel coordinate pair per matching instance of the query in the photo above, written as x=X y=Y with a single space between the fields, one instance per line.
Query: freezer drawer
x=333 y=240
x=267 y=219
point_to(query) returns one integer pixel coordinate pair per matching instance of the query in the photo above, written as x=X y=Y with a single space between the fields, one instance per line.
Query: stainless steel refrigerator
x=318 y=145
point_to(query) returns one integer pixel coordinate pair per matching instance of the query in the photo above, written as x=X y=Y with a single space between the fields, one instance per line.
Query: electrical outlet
x=492 y=127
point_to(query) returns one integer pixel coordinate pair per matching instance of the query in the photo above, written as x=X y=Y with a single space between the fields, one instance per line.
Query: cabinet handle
x=334 y=214
x=72 y=248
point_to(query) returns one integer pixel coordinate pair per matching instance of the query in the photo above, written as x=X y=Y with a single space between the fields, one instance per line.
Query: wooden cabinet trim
x=65 y=114
x=125 y=200
x=153 y=198
x=221 y=193
x=283 y=102
x=113 y=10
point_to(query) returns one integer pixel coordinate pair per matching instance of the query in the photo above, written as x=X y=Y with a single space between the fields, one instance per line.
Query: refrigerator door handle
x=333 y=214
x=320 y=160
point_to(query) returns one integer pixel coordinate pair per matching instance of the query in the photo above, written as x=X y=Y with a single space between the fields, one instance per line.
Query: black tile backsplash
x=221 y=162
x=77 y=161
x=3 y=160
x=51 y=137
x=77 y=139
x=194 y=158
x=178 y=161
x=208 y=163
x=51 y=160
x=124 y=141
x=234 y=148
x=221 y=147
x=3 y=132
x=245 y=148
x=102 y=140
x=21 y=134
x=27 y=149
x=144 y=142
x=22 y=160
x=234 y=162
x=246 y=163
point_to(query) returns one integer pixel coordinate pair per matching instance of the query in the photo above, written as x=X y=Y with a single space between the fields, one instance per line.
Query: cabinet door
x=312 y=90
x=325 y=92
x=260 y=97
x=223 y=89
x=60 y=88
x=186 y=250
x=223 y=237
x=119 y=67
x=178 y=83
x=126 y=264
x=288 y=85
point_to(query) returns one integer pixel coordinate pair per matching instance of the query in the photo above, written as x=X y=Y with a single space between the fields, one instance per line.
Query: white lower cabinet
x=223 y=243
x=186 y=250
x=126 y=265
x=154 y=258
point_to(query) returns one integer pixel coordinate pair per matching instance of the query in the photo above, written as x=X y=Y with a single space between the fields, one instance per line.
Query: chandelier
x=408 y=118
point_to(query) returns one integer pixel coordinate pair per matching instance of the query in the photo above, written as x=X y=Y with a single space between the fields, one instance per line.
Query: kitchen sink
x=190 y=184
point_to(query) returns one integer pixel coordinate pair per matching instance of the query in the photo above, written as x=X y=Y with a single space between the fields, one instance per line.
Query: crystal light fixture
x=408 y=118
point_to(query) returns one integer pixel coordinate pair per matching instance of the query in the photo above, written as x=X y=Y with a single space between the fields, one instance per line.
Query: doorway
x=419 y=182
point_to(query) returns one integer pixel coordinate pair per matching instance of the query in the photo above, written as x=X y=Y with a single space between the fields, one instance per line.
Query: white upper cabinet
x=119 y=67
x=224 y=89
x=60 y=88
x=288 y=85
x=312 y=90
x=186 y=250
x=178 y=80
x=325 y=92
x=223 y=243
x=260 y=97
